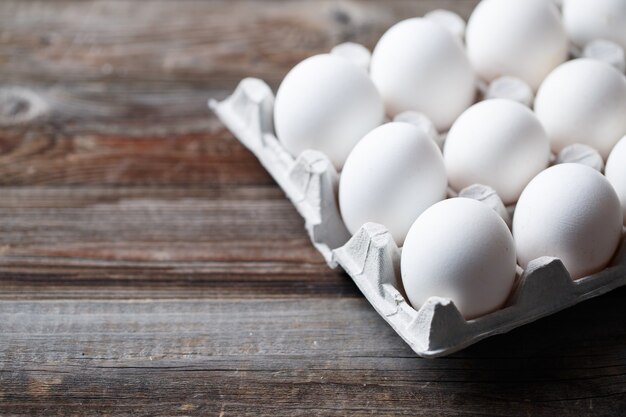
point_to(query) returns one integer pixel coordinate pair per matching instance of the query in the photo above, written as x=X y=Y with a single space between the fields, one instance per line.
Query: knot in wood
x=20 y=105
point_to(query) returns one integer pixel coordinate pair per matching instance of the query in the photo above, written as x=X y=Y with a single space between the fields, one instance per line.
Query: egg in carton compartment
x=372 y=258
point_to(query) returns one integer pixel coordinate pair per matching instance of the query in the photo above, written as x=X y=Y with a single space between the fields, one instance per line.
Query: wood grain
x=297 y=357
x=150 y=267
x=215 y=42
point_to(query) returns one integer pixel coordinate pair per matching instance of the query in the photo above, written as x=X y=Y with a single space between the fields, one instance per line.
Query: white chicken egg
x=583 y=101
x=326 y=103
x=421 y=66
x=569 y=211
x=520 y=38
x=588 y=20
x=616 y=172
x=499 y=143
x=462 y=250
x=393 y=174
x=449 y=20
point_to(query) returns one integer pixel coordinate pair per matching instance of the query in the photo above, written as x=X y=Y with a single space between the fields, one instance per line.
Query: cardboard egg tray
x=371 y=257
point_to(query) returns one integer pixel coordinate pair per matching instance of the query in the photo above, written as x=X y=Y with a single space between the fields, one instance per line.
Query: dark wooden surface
x=150 y=267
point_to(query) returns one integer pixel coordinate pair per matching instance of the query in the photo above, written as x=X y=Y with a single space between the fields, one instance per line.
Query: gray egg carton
x=372 y=259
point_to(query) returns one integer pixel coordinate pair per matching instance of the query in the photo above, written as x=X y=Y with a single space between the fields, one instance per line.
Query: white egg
x=420 y=120
x=393 y=174
x=326 y=103
x=421 y=66
x=571 y=212
x=520 y=38
x=583 y=101
x=462 y=250
x=355 y=53
x=588 y=20
x=616 y=172
x=449 y=20
x=499 y=143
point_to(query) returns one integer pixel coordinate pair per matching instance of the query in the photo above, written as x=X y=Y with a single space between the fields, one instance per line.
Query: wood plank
x=217 y=41
x=299 y=357
x=242 y=242
x=48 y=155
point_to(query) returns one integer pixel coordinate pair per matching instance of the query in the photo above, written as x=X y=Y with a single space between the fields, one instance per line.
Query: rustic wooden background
x=149 y=266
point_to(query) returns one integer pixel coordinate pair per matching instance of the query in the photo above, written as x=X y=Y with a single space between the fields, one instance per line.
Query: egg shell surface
x=462 y=250
x=393 y=174
x=326 y=103
x=499 y=143
x=419 y=65
x=616 y=172
x=588 y=20
x=521 y=38
x=583 y=101
x=448 y=20
x=571 y=212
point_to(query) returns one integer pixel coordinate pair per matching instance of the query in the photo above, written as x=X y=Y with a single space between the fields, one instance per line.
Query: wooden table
x=149 y=266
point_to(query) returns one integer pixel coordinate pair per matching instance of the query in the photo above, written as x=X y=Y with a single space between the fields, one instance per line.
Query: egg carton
x=371 y=257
